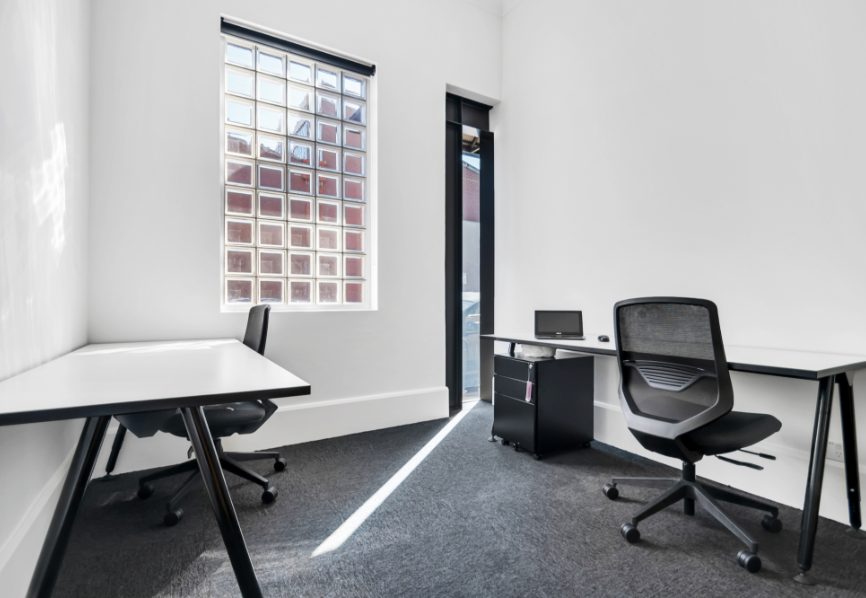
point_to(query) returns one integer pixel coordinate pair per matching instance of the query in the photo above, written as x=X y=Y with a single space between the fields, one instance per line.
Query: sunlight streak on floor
x=345 y=531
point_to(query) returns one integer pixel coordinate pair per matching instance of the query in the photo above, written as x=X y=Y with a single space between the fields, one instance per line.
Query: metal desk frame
x=76 y=386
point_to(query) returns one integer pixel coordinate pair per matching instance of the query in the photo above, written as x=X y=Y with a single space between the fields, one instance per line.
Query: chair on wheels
x=677 y=398
x=223 y=420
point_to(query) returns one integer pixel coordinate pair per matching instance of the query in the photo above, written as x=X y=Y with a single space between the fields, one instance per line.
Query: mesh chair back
x=673 y=371
x=668 y=329
x=256 y=335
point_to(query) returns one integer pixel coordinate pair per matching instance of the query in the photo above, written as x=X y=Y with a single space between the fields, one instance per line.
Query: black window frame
x=459 y=112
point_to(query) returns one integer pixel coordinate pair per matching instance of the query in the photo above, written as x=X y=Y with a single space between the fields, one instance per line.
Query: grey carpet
x=475 y=519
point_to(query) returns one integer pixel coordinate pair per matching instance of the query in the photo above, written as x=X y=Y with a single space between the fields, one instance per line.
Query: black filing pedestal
x=555 y=413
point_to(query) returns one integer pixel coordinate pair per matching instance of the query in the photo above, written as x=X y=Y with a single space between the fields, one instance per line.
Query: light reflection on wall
x=43 y=246
x=49 y=188
x=42 y=292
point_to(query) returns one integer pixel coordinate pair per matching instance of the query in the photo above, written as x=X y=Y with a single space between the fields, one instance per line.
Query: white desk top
x=772 y=362
x=119 y=378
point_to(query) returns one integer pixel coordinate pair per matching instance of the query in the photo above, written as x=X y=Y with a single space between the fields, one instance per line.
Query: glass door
x=469 y=248
x=471 y=270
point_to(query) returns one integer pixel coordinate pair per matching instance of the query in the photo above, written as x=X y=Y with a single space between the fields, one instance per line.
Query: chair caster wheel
x=280 y=464
x=145 y=490
x=172 y=518
x=610 y=491
x=535 y=456
x=503 y=442
x=749 y=561
x=630 y=533
x=771 y=524
x=269 y=495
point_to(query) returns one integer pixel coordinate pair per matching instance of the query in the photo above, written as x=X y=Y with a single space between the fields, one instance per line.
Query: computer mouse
x=604 y=338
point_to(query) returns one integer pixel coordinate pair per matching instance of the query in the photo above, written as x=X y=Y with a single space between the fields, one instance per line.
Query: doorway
x=469 y=250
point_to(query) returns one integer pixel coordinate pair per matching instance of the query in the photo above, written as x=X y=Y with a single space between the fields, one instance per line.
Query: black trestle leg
x=815 y=481
x=849 y=443
x=224 y=510
x=71 y=495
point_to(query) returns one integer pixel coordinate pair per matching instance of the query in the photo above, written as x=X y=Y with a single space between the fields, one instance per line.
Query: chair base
x=229 y=463
x=690 y=491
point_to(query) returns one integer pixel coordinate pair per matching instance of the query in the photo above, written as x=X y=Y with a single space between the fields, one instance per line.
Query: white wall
x=43 y=249
x=155 y=253
x=707 y=149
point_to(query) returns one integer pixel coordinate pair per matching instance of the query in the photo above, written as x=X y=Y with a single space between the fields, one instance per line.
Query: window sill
x=277 y=307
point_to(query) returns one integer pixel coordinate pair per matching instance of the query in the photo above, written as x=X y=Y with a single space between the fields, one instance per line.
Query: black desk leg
x=809 y=524
x=57 y=539
x=215 y=482
x=849 y=442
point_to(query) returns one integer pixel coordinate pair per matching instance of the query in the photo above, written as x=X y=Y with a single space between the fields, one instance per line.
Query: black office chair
x=223 y=420
x=677 y=397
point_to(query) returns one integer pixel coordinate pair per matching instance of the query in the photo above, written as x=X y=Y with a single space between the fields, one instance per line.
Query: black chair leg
x=700 y=494
x=190 y=483
x=251 y=456
x=663 y=483
x=739 y=499
x=169 y=471
x=115 y=450
x=689 y=490
x=241 y=471
x=671 y=497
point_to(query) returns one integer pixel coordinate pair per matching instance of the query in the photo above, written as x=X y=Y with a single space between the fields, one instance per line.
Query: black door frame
x=459 y=112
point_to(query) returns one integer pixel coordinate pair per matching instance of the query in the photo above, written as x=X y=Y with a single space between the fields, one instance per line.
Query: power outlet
x=834 y=452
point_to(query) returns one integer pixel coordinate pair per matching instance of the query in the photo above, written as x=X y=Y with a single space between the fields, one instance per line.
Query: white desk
x=826 y=368
x=772 y=362
x=99 y=381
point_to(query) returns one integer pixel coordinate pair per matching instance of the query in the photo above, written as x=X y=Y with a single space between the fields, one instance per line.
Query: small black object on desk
x=543 y=404
x=604 y=338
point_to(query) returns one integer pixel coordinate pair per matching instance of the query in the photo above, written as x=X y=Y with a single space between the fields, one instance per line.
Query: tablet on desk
x=566 y=325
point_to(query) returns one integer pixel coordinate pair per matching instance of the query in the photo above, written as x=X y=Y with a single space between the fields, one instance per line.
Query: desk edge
x=111 y=409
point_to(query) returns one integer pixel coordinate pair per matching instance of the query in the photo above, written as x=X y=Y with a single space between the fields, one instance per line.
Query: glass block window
x=296 y=196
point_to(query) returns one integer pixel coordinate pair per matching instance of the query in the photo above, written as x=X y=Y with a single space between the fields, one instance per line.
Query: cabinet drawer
x=514 y=421
x=516 y=389
x=511 y=368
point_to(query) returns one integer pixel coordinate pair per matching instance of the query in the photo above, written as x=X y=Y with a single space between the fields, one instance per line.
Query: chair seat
x=732 y=432
x=223 y=420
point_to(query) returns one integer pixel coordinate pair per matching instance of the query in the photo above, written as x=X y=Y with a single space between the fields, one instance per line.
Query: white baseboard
x=40 y=510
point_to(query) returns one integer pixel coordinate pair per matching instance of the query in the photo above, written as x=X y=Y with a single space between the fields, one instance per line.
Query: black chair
x=677 y=398
x=223 y=420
